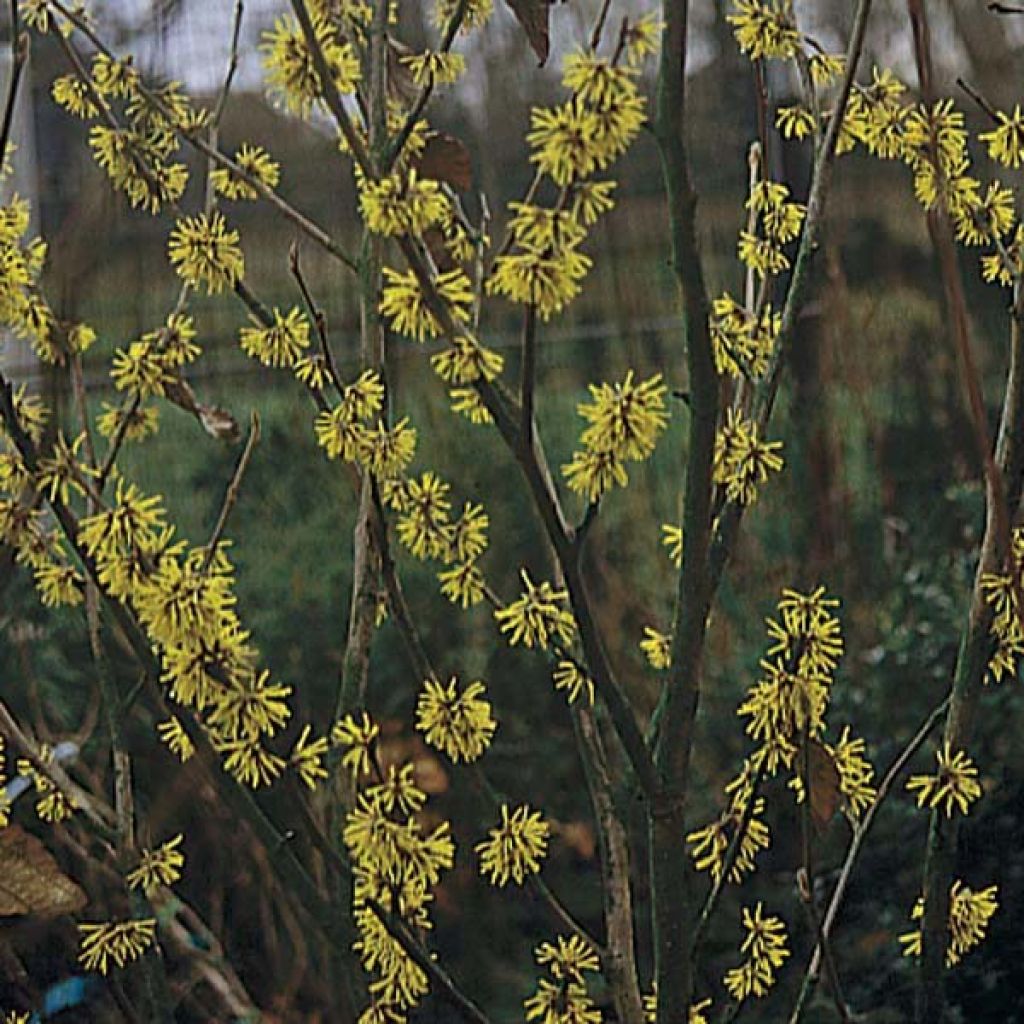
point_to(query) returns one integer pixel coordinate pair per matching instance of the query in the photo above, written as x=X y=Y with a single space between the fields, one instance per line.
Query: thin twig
x=860 y=833
x=232 y=492
x=316 y=314
x=528 y=374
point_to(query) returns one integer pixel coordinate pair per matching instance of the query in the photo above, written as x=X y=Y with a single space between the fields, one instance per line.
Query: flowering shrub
x=378 y=852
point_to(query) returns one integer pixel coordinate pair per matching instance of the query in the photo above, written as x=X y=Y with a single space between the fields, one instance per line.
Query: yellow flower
x=307 y=758
x=204 y=251
x=398 y=792
x=855 y=773
x=593 y=473
x=765 y=946
x=282 y=343
x=434 y=68
x=387 y=451
x=424 y=526
x=257 y=162
x=459 y=723
x=625 y=418
x=403 y=302
x=359 y=737
x=173 y=734
x=159 y=867
x=463 y=584
x=657 y=647
x=538 y=617
x=570 y=677
x=1006 y=142
x=142 y=421
x=596 y=81
x=765 y=28
x=672 y=538
x=955 y=784
x=71 y=93
x=291 y=76
x=742 y=460
x=548 y=278
x=969 y=914
x=794 y=122
x=117 y=941
x=569 y=957
x=563 y=142
x=403 y=204
x=515 y=848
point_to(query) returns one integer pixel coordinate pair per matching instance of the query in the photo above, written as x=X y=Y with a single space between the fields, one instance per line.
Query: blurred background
x=880 y=502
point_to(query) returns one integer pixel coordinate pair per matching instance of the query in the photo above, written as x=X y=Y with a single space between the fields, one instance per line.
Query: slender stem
x=316 y=314
x=528 y=377
x=671 y=876
x=231 y=494
x=619 y=956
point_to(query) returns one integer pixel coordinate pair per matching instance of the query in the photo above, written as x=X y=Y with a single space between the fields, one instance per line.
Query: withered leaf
x=31 y=881
x=824 y=785
x=533 y=16
x=445 y=158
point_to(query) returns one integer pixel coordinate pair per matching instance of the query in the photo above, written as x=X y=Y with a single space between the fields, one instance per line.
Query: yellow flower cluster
x=564 y=998
x=624 y=422
x=710 y=844
x=538 y=618
x=955 y=784
x=766 y=952
x=408 y=308
x=51 y=804
x=743 y=341
x=776 y=222
x=256 y=162
x=403 y=204
x=397 y=863
x=184 y=601
x=289 y=69
x=147 y=365
x=1002 y=592
x=204 y=252
x=766 y=29
x=135 y=138
x=969 y=915
x=458 y=722
x=515 y=848
x=933 y=142
x=742 y=460
x=158 y=867
x=570 y=143
x=22 y=307
x=119 y=942
x=279 y=345
x=784 y=708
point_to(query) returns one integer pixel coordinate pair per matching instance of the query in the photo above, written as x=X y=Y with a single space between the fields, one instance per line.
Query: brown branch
x=619 y=955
